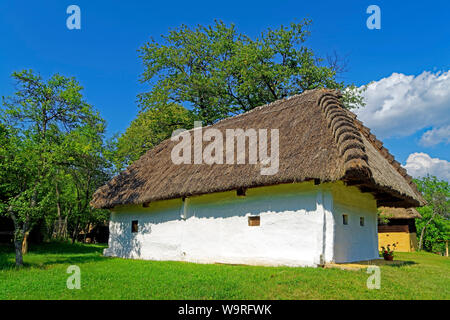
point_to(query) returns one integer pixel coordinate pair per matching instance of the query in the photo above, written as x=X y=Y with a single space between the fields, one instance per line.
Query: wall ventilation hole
x=254 y=221
x=345 y=219
x=134 y=226
x=240 y=192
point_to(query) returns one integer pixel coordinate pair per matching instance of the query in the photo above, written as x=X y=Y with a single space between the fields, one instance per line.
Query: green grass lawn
x=44 y=277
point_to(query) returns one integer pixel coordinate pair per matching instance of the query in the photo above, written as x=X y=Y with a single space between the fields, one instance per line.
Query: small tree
x=35 y=120
x=435 y=214
x=18 y=167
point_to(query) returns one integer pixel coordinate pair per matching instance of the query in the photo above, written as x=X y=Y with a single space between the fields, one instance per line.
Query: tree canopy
x=52 y=154
x=217 y=71
x=434 y=226
x=208 y=73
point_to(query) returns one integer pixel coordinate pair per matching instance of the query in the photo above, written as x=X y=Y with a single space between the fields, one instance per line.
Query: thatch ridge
x=346 y=136
x=319 y=139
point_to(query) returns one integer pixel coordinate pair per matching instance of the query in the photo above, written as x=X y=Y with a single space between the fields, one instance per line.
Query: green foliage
x=436 y=232
x=382 y=219
x=148 y=129
x=51 y=152
x=218 y=72
x=435 y=215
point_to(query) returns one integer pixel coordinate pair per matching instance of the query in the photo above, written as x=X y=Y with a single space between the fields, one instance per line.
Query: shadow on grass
x=46 y=254
x=66 y=248
x=69 y=260
x=401 y=264
x=55 y=247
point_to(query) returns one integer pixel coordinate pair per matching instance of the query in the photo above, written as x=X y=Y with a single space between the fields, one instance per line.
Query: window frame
x=345 y=219
x=241 y=192
x=254 y=221
x=134 y=226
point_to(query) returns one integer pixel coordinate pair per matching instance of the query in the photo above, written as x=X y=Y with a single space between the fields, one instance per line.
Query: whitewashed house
x=320 y=207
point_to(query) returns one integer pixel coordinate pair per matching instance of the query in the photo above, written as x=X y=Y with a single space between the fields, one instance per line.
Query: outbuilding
x=398 y=226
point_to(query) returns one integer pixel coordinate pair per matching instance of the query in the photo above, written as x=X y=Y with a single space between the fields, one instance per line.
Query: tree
x=219 y=72
x=434 y=225
x=35 y=120
x=84 y=162
x=17 y=168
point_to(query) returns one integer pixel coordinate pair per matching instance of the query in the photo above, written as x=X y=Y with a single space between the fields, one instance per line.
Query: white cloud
x=436 y=136
x=400 y=105
x=420 y=164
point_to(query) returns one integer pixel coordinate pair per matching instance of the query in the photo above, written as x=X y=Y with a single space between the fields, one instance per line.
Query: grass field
x=44 y=277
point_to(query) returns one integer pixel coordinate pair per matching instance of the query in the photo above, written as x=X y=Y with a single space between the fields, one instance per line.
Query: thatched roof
x=318 y=139
x=399 y=213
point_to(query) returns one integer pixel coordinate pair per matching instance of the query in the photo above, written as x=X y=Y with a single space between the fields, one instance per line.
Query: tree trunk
x=75 y=232
x=25 y=242
x=17 y=235
x=64 y=234
x=446 y=248
x=59 y=230
x=18 y=249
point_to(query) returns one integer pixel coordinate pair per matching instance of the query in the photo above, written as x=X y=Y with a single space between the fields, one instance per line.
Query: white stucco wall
x=298 y=227
x=353 y=242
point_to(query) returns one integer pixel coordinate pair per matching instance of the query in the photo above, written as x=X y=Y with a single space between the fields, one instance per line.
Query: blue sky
x=414 y=37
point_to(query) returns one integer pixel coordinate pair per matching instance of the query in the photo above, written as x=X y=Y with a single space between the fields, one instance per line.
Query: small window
x=253 y=221
x=345 y=219
x=134 y=226
x=146 y=204
x=240 y=192
x=361 y=221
